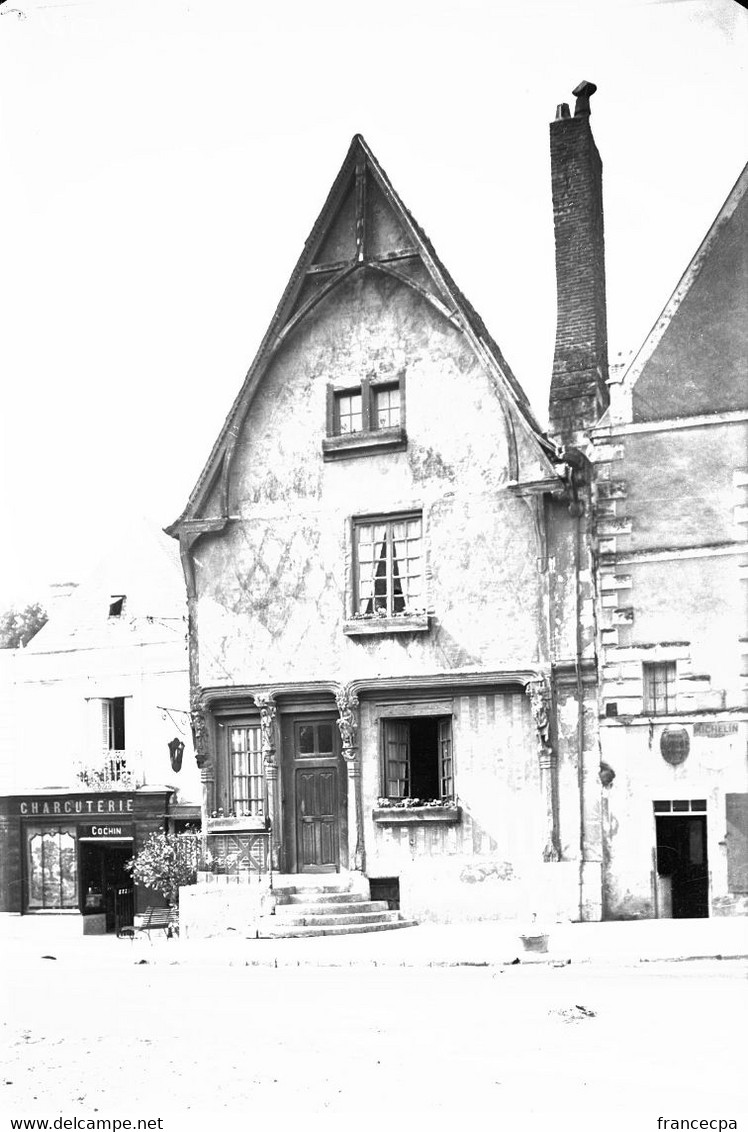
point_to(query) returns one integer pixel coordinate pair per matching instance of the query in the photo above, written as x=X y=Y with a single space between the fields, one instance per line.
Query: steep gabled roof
x=695 y=323
x=324 y=264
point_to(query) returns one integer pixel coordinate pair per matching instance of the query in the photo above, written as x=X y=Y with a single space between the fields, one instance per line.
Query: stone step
x=314 y=919
x=292 y=932
x=318 y=887
x=330 y=909
x=305 y=896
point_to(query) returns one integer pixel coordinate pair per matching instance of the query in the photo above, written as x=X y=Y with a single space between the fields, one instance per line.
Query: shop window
x=417 y=759
x=659 y=688
x=51 y=868
x=389 y=566
x=247 y=782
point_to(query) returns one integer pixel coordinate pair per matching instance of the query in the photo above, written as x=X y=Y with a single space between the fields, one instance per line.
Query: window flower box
x=375 y=624
x=417 y=815
x=229 y=824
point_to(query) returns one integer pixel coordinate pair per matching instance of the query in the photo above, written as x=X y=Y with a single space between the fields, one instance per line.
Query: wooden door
x=317 y=830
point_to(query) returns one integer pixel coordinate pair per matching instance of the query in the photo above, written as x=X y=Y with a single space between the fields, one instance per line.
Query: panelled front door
x=315 y=798
x=317 y=819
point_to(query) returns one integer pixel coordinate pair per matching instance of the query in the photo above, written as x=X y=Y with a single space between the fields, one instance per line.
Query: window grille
x=247 y=783
x=659 y=688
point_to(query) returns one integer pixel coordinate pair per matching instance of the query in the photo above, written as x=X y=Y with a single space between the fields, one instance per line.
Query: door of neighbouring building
x=682 y=857
x=105 y=880
x=312 y=771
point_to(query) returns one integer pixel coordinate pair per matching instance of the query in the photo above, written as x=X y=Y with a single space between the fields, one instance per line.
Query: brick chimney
x=579 y=393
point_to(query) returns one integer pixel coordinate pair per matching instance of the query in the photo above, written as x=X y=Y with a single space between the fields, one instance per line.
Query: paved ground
x=102 y=1032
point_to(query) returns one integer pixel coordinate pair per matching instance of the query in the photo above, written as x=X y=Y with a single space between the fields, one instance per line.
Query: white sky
x=164 y=160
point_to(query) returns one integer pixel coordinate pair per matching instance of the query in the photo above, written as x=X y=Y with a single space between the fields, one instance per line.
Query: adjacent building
x=98 y=751
x=671 y=516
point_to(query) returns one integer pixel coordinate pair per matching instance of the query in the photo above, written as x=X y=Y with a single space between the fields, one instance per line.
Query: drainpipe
x=578 y=507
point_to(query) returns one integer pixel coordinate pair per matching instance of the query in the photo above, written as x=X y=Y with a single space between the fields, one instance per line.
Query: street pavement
x=577 y=1045
x=613 y=1028
x=478 y=944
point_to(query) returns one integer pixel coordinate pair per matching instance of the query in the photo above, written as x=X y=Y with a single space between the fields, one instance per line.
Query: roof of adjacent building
x=141 y=566
x=694 y=361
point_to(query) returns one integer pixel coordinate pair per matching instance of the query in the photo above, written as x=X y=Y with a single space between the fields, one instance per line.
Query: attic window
x=116 y=605
x=369 y=417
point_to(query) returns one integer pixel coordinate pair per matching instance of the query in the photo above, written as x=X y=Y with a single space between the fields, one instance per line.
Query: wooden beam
x=360 y=209
x=312 y=302
x=326 y=268
x=388 y=257
x=427 y=295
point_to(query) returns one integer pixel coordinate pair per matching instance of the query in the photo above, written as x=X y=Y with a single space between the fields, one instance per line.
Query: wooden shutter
x=446 y=770
x=736 y=807
x=106 y=726
x=396 y=758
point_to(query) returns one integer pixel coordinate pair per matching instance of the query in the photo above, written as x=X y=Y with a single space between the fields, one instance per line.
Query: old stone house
x=95 y=746
x=671 y=516
x=392 y=638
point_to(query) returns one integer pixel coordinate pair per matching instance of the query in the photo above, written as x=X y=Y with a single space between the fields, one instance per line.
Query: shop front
x=66 y=853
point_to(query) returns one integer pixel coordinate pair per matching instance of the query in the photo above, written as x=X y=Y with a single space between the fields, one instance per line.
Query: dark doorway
x=681 y=855
x=104 y=881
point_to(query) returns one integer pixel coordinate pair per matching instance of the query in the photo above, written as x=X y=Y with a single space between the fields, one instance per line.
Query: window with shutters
x=417 y=759
x=113 y=739
x=364 y=418
x=246 y=773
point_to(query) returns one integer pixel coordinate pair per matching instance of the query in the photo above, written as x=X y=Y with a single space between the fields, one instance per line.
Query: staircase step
x=307 y=896
x=311 y=889
x=312 y=920
x=330 y=909
x=292 y=932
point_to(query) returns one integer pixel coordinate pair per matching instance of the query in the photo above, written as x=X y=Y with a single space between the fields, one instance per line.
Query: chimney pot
x=562 y=111
x=583 y=93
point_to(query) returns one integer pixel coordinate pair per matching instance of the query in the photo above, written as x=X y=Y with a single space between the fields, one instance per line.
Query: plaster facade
x=479 y=674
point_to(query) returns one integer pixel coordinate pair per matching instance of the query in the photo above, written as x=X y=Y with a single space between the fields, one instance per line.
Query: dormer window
x=116 y=605
x=386 y=406
x=349 y=416
x=369 y=417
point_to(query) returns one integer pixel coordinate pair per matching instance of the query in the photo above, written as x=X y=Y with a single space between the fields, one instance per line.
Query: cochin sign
x=122 y=832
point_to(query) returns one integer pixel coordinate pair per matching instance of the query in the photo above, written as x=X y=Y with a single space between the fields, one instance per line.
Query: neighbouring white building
x=95 y=745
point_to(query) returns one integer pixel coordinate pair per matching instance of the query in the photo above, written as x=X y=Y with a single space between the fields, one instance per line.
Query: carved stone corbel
x=347 y=702
x=266 y=706
x=539 y=693
x=199 y=727
x=348 y=723
x=264 y=703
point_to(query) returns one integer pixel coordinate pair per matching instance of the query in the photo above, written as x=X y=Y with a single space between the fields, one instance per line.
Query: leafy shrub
x=166 y=862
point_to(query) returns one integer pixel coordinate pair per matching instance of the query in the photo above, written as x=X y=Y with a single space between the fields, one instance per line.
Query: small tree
x=18 y=626
x=167 y=861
